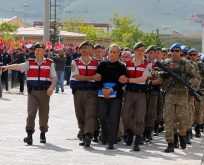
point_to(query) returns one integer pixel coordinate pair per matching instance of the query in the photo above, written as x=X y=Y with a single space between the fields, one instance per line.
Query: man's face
x=151 y=55
x=39 y=52
x=139 y=52
x=176 y=54
x=84 y=50
x=114 y=54
x=159 y=55
x=165 y=55
x=60 y=52
x=125 y=56
x=98 y=53
x=194 y=56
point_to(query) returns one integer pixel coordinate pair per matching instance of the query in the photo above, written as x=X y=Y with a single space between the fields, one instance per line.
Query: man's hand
x=4 y=68
x=49 y=91
x=106 y=92
x=123 y=79
x=97 y=77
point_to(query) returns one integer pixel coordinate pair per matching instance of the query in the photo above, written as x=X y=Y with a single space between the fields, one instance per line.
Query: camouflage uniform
x=199 y=106
x=176 y=99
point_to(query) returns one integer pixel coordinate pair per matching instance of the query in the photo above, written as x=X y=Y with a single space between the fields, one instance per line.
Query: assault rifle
x=179 y=80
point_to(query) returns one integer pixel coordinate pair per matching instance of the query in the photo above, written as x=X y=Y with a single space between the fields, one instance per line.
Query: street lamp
x=25 y=8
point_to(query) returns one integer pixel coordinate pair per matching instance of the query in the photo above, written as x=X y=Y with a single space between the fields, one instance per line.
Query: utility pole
x=46 y=35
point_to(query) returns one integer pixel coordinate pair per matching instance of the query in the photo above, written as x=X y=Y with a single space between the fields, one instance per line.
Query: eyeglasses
x=176 y=50
x=193 y=54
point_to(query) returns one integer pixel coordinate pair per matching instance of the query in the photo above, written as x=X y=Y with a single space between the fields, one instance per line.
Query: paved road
x=62 y=145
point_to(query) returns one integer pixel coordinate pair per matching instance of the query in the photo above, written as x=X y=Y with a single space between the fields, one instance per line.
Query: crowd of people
x=119 y=93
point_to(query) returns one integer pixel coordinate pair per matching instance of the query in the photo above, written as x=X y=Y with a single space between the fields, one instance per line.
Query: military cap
x=38 y=45
x=151 y=48
x=164 y=50
x=175 y=46
x=85 y=43
x=192 y=50
x=19 y=49
x=138 y=45
x=159 y=49
x=97 y=46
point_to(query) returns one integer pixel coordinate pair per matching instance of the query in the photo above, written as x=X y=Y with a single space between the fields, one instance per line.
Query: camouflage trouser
x=199 y=111
x=176 y=111
x=160 y=108
x=191 y=108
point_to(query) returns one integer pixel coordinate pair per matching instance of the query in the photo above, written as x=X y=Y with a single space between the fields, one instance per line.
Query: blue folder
x=108 y=85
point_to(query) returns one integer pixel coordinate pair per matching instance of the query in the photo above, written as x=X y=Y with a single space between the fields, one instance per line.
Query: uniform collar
x=44 y=59
x=80 y=59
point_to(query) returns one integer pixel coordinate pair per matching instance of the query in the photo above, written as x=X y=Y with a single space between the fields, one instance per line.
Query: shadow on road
x=49 y=146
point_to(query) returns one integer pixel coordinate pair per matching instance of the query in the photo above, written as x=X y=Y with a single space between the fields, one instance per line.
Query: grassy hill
x=151 y=14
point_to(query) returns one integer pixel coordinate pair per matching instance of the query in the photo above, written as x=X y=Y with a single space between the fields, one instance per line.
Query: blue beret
x=175 y=46
x=184 y=49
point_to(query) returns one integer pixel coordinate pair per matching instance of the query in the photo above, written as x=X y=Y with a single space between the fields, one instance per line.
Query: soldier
x=176 y=98
x=134 y=108
x=193 y=55
x=41 y=79
x=199 y=106
x=152 y=95
x=84 y=88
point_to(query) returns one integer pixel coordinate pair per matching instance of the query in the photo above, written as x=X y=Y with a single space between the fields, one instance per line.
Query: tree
x=7 y=31
x=126 y=33
x=78 y=25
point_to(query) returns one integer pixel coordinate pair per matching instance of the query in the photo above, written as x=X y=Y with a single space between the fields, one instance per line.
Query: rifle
x=179 y=80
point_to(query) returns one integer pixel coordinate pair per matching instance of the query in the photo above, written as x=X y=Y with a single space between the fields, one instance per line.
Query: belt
x=41 y=88
x=136 y=90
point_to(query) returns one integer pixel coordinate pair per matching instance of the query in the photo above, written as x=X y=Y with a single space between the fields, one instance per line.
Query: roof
x=38 y=31
x=14 y=21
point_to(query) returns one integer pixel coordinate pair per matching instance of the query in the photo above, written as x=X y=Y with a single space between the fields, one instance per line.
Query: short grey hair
x=116 y=46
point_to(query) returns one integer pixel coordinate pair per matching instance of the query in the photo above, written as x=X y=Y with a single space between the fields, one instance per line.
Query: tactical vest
x=135 y=72
x=201 y=70
x=85 y=70
x=39 y=75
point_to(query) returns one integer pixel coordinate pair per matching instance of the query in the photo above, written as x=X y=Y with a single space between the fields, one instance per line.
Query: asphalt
x=62 y=145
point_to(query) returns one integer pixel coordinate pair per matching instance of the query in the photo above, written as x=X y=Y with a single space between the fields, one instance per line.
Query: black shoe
x=182 y=141
x=188 y=137
x=197 y=130
x=95 y=138
x=148 y=136
x=80 y=135
x=156 y=133
x=29 y=138
x=87 y=140
x=103 y=140
x=170 y=148
x=176 y=141
x=62 y=90
x=110 y=146
x=129 y=138
x=136 y=143
x=82 y=143
x=42 y=138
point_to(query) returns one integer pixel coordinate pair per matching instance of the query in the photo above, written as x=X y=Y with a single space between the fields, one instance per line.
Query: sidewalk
x=62 y=145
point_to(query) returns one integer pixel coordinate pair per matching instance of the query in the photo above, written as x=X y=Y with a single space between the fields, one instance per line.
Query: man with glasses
x=176 y=98
x=199 y=106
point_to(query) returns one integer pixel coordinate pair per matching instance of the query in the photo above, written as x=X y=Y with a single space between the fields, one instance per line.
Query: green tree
x=7 y=31
x=78 y=25
x=126 y=33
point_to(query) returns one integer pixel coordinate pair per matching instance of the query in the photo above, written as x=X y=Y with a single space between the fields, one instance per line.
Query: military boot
x=42 y=138
x=87 y=140
x=136 y=143
x=129 y=137
x=29 y=138
x=188 y=137
x=197 y=131
x=148 y=136
x=170 y=148
x=182 y=141
x=95 y=137
x=176 y=141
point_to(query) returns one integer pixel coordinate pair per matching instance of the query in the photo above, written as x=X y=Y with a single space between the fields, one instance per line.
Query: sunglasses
x=176 y=50
x=192 y=54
